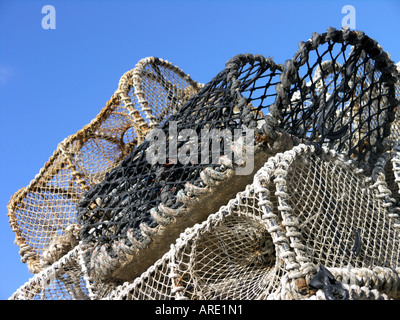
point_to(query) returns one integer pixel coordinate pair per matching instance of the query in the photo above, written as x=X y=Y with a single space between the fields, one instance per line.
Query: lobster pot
x=65 y=279
x=339 y=91
x=305 y=208
x=43 y=212
x=338 y=215
x=168 y=183
x=229 y=256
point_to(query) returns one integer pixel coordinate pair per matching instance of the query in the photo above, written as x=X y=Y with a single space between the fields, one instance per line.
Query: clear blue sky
x=53 y=82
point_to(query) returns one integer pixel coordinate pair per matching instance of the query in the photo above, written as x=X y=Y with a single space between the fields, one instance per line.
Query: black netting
x=137 y=196
x=338 y=90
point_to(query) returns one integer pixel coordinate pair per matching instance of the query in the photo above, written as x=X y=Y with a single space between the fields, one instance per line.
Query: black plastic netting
x=238 y=97
x=338 y=91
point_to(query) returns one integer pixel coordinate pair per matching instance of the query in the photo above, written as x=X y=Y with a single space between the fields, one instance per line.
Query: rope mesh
x=264 y=245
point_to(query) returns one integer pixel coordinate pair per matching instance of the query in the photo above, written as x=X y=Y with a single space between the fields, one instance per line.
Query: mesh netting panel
x=336 y=216
x=138 y=199
x=161 y=89
x=243 y=259
x=395 y=126
x=392 y=172
x=41 y=212
x=306 y=208
x=338 y=91
x=334 y=206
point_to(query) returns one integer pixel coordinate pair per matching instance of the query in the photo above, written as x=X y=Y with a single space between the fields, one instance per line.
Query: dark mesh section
x=338 y=90
x=238 y=97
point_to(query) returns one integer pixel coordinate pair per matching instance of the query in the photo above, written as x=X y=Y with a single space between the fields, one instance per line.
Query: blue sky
x=53 y=82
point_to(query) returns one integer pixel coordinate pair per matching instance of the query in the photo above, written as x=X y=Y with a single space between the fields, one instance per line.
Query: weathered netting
x=43 y=214
x=395 y=127
x=300 y=210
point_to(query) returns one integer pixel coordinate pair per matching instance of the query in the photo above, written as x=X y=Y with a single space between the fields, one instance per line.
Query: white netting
x=302 y=210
